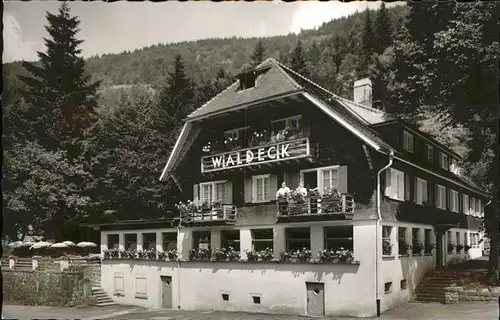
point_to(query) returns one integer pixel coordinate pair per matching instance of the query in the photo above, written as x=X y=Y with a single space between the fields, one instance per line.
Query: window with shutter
x=261 y=188
x=441 y=197
x=465 y=204
x=395 y=184
x=213 y=191
x=421 y=192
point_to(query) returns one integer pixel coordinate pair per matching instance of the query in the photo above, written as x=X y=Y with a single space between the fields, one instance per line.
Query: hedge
x=46 y=288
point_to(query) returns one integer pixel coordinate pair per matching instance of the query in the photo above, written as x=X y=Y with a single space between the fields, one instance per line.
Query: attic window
x=249 y=78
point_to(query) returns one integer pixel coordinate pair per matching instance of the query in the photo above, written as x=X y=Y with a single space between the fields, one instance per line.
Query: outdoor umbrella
x=69 y=243
x=41 y=244
x=86 y=244
x=59 y=245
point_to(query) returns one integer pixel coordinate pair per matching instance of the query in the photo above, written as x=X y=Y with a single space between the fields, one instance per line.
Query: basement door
x=315 y=299
x=166 y=292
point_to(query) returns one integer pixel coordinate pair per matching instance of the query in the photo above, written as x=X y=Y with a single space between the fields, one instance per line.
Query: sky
x=119 y=26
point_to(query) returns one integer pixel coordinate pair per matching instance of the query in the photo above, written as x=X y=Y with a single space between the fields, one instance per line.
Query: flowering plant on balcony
x=225 y=254
x=451 y=246
x=291 y=133
x=232 y=143
x=259 y=138
x=459 y=247
x=417 y=246
x=185 y=208
x=205 y=206
x=169 y=254
x=150 y=254
x=217 y=204
x=201 y=254
x=403 y=246
x=467 y=248
x=340 y=255
x=386 y=247
x=314 y=193
x=303 y=255
x=129 y=254
x=111 y=254
x=333 y=193
x=297 y=196
x=261 y=255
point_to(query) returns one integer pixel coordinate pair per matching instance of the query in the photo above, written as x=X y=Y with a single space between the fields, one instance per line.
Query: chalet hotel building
x=296 y=201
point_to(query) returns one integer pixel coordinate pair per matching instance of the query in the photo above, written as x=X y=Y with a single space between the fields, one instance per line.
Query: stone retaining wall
x=457 y=294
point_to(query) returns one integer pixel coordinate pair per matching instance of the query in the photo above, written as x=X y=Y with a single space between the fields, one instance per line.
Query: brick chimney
x=363 y=92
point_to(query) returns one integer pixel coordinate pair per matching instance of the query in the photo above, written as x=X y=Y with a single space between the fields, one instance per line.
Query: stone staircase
x=431 y=288
x=99 y=295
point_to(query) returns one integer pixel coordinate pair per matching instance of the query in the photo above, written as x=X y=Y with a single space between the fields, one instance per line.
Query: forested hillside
x=86 y=142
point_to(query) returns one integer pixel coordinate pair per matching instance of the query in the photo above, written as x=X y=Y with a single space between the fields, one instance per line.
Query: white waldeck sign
x=256 y=155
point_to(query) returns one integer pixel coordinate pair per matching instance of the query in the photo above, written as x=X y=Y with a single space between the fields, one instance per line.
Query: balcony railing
x=314 y=206
x=257 y=155
x=224 y=214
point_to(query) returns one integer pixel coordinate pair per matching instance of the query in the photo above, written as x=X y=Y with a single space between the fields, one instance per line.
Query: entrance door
x=166 y=292
x=310 y=180
x=315 y=299
x=439 y=250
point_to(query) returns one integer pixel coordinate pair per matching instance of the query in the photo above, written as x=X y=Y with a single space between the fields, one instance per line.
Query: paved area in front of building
x=409 y=311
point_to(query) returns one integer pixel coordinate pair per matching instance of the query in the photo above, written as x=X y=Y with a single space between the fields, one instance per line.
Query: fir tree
x=298 y=60
x=60 y=95
x=382 y=30
x=177 y=97
x=258 y=54
x=367 y=44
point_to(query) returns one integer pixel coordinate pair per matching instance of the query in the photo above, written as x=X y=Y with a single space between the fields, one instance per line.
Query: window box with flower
x=403 y=247
x=265 y=255
x=429 y=247
x=467 y=248
x=459 y=247
x=225 y=255
x=340 y=255
x=200 y=254
x=259 y=138
x=451 y=247
x=303 y=255
x=417 y=247
x=386 y=247
x=169 y=255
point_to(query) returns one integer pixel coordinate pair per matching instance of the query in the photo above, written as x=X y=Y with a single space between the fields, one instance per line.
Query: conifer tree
x=367 y=43
x=60 y=95
x=177 y=97
x=259 y=53
x=382 y=30
x=298 y=59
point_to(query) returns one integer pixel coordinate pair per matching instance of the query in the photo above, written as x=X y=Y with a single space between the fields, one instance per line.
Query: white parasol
x=15 y=244
x=59 y=245
x=69 y=243
x=41 y=244
x=86 y=244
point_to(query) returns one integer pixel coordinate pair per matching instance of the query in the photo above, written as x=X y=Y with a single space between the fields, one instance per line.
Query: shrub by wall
x=46 y=288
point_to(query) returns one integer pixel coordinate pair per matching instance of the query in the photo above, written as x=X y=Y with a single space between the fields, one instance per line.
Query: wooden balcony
x=258 y=156
x=316 y=208
x=219 y=216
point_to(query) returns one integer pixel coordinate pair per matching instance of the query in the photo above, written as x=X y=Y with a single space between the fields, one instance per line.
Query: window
x=415 y=241
x=149 y=241
x=113 y=241
x=260 y=188
x=407 y=186
x=256 y=299
x=213 y=191
x=404 y=284
x=472 y=206
x=453 y=200
x=395 y=182
x=479 y=212
x=403 y=245
x=458 y=238
x=465 y=204
x=443 y=161
x=454 y=166
x=330 y=179
x=230 y=238
x=440 y=197
x=291 y=123
x=386 y=240
x=262 y=239
x=339 y=237
x=169 y=241
x=201 y=239
x=420 y=191
x=225 y=297
x=131 y=241
x=430 y=153
x=387 y=287
x=408 y=141
x=298 y=238
x=427 y=241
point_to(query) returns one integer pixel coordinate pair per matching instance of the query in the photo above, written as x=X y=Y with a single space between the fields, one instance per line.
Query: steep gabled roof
x=274 y=83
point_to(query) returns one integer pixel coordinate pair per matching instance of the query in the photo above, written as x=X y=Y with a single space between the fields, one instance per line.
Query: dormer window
x=408 y=141
x=443 y=161
x=249 y=78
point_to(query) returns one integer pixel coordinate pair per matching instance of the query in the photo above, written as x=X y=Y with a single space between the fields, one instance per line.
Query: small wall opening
x=256 y=299
x=225 y=297
x=404 y=284
x=387 y=287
